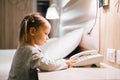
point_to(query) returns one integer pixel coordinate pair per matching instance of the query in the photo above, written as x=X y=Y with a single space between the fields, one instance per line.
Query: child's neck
x=30 y=42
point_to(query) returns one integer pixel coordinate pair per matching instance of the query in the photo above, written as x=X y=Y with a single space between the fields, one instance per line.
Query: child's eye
x=46 y=33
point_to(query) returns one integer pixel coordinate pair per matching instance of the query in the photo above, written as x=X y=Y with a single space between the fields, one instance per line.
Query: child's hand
x=69 y=63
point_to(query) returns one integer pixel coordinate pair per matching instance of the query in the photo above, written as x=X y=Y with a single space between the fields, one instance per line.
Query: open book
x=88 y=57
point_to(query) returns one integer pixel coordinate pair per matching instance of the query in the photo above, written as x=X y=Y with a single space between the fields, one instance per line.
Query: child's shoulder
x=29 y=48
x=33 y=49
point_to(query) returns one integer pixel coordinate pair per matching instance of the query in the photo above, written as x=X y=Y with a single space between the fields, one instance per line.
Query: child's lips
x=45 y=41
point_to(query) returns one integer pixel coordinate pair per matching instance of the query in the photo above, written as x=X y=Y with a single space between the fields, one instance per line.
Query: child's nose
x=47 y=38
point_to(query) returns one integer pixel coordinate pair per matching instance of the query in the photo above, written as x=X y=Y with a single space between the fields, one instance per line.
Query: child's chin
x=41 y=44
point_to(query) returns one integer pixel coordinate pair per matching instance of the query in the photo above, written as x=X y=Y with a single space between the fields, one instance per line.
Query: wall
x=11 y=14
x=110 y=29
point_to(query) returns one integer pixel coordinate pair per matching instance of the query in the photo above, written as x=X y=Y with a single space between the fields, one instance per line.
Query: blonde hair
x=31 y=20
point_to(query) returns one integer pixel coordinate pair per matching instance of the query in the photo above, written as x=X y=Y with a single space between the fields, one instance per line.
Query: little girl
x=28 y=57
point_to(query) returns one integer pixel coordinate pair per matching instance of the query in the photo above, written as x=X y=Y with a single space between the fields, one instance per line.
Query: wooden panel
x=12 y=12
x=110 y=30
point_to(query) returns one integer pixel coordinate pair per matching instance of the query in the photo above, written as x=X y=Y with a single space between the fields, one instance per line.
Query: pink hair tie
x=26 y=20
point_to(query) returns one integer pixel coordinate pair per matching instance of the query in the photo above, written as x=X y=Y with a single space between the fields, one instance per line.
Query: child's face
x=41 y=34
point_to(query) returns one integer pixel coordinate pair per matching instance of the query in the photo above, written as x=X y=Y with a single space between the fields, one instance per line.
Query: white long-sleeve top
x=28 y=59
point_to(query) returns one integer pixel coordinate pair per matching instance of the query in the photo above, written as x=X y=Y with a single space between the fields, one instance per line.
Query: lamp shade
x=52 y=12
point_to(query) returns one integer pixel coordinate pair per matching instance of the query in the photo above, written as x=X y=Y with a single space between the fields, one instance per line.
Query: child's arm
x=43 y=63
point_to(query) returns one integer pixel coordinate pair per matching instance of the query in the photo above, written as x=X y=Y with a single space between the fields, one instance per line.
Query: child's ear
x=32 y=31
